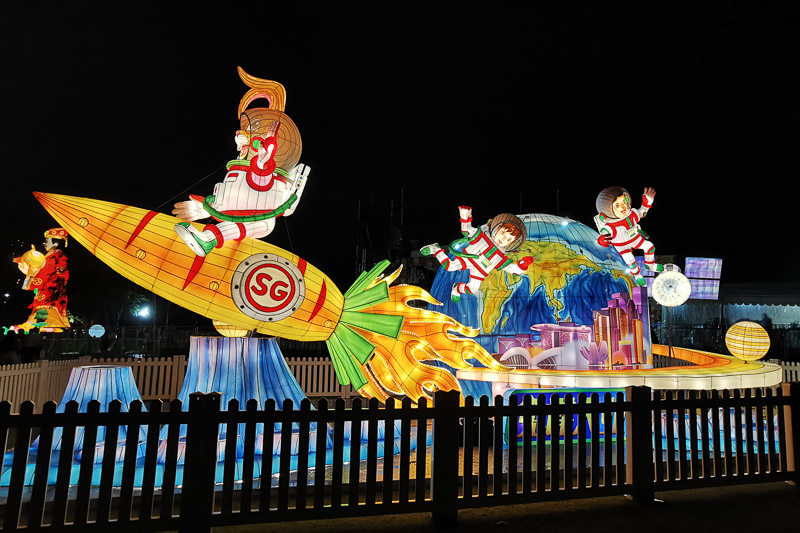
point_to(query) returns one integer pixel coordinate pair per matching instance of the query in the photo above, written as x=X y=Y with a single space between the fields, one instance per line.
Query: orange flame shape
x=402 y=366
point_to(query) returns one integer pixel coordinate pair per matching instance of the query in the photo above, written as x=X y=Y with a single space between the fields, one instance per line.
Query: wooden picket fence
x=44 y=381
x=791 y=370
x=39 y=382
x=157 y=378
x=316 y=377
x=585 y=447
x=751 y=436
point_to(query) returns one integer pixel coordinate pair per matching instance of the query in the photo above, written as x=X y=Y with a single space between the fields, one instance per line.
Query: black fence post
x=639 y=444
x=444 y=457
x=793 y=430
x=200 y=462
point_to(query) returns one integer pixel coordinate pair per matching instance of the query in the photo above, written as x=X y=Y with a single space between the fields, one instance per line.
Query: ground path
x=768 y=508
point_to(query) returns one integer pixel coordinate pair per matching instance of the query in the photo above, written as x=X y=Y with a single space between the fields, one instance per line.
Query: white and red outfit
x=247 y=190
x=488 y=256
x=625 y=235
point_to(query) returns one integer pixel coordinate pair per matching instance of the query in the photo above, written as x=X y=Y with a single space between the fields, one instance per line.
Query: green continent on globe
x=554 y=266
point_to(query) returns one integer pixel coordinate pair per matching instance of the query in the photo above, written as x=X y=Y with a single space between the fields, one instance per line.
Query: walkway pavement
x=768 y=507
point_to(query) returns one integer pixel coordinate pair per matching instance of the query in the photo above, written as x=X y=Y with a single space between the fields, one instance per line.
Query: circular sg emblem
x=267 y=287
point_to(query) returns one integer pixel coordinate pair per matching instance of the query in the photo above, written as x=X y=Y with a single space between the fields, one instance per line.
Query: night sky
x=404 y=105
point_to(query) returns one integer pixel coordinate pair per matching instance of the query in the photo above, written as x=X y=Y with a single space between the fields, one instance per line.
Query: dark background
x=408 y=111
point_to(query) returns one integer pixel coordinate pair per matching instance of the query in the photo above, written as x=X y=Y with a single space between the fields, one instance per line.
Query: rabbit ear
x=270 y=90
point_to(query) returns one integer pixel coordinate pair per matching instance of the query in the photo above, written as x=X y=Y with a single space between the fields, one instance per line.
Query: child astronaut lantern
x=482 y=250
x=263 y=183
x=618 y=225
x=47 y=275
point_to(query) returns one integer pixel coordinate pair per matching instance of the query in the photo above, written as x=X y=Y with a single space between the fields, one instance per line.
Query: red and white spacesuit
x=618 y=225
x=253 y=193
x=485 y=250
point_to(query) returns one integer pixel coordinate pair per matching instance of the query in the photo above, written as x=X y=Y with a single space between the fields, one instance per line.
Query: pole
x=444 y=457
x=200 y=462
x=639 y=443
x=669 y=331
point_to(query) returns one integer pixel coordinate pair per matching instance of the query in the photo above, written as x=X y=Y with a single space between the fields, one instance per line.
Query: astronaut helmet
x=507 y=223
x=606 y=199
x=254 y=129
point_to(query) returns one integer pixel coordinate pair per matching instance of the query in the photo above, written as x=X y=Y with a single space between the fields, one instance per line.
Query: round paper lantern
x=747 y=341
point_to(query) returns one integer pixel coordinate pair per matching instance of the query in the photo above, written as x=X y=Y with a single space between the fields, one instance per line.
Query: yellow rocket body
x=250 y=284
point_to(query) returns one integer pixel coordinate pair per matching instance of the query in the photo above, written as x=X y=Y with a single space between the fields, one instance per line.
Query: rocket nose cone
x=45 y=198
